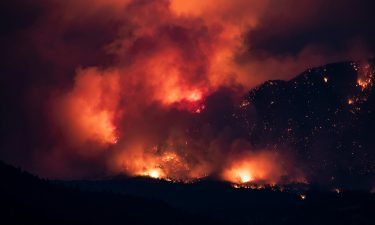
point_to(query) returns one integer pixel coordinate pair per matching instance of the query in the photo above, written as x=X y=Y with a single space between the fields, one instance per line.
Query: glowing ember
x=350 y=101
x=200 y=109
x=303 y=197
x=325 y=79
x=244 y=104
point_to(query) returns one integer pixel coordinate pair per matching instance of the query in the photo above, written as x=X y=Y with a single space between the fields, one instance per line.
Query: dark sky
x=88 y=88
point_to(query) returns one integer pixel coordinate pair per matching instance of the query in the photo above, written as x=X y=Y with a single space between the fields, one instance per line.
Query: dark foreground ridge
x=26 y=199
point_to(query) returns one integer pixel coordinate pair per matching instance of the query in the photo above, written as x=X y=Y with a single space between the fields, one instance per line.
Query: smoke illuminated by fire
x=151 y=108
x=146 y=109
x=88 y=111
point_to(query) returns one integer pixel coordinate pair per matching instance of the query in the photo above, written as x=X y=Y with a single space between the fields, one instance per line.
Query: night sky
x=247 y=91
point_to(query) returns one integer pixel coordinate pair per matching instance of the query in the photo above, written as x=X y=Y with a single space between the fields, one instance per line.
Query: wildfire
x=165 y=68
x=253 y=168
x=365 y=75
x=159 y=164
x=242 y=175
x=364 y=83
x=154 y=173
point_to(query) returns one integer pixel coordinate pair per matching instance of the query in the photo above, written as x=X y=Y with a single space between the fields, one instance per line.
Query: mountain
x=26 y=199
x=325 y=116
x=286 y=205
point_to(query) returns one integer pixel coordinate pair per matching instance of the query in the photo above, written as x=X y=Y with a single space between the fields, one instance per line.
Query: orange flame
x=365 y=76
x=261 y=167
x=167 y=165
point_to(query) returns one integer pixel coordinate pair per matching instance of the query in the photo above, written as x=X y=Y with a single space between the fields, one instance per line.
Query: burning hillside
x=159 y=88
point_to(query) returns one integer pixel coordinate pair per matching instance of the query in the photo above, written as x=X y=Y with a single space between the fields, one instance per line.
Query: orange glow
x=200 y=109
x=166 y=73
x=143 y=109
x=350 y=101
x=261 y=167
x=364 y=83
x=87 y=113
x=365 y=76
x=245 y=11
x=154 y=173
x=244 y=175
x=167 y=165
x=166 y=78
x=194 y=96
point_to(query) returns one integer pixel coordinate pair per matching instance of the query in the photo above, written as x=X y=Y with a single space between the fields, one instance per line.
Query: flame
x=154 y=173
x=252 y=168
x=244 y=175
x=364 y=83
x=167 y=165
x=365 y=75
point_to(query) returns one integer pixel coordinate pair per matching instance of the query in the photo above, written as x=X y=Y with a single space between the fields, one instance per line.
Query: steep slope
x=326 y=115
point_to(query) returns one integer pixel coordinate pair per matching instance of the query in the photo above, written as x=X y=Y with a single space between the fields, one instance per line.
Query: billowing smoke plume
x=152 y=87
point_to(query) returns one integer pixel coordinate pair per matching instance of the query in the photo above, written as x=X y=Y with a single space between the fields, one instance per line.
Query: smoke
x=151 y=87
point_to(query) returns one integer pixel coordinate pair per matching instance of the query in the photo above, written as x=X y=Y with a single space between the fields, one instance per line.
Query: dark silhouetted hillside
x=26 y=199
x=324 y=117
x=265 y=206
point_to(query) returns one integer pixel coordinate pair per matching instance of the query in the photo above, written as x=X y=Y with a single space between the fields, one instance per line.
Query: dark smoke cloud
x=288 y=27
x=40 y=51
x=294 y=35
